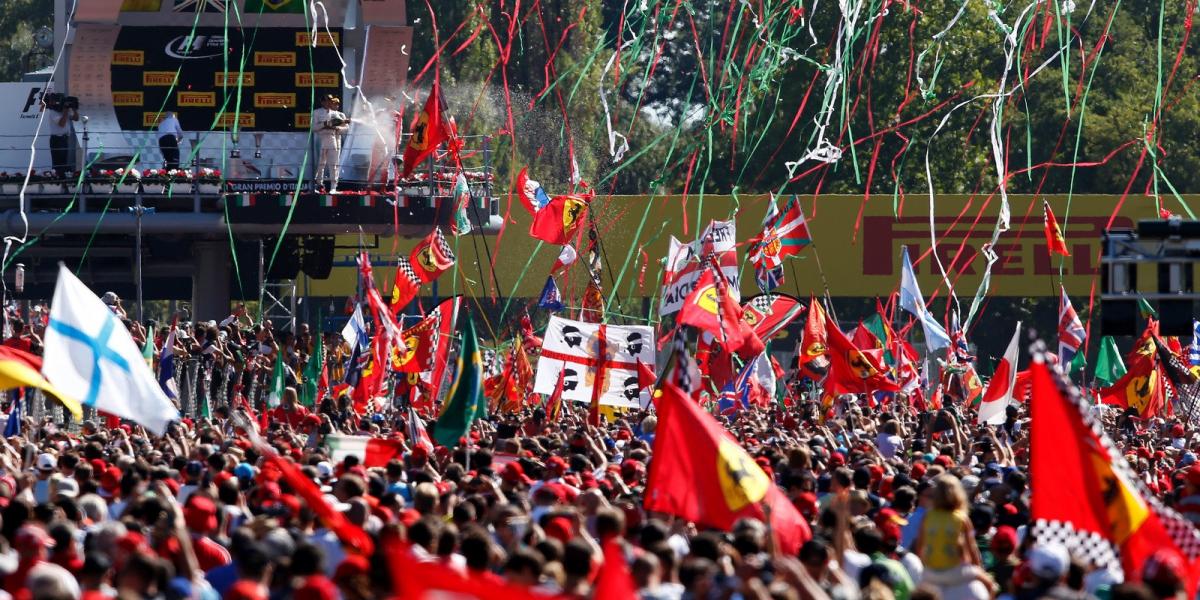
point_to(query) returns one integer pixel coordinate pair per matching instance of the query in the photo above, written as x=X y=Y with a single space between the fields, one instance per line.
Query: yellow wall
x=866 y=266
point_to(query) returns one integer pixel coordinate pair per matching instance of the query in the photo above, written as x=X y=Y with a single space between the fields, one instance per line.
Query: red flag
x=1141 y=388
x=851 y=370
x=1088 y=498
x=350 y=534
x=406 y=286
x=557 y=222
x=1055 y=243
x=701 y=474
x=815 y=342
x=711 y=308
x=428 y=131
x=437 y=580
x=614 y=582
x=431 y=257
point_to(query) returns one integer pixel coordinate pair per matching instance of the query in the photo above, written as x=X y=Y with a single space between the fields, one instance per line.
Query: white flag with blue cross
x=90 y=355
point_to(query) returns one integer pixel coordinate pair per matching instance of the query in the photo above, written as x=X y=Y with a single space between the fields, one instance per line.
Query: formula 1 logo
x=188 y=47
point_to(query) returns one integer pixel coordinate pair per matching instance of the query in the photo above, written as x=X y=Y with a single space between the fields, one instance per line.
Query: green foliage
x=18 y=20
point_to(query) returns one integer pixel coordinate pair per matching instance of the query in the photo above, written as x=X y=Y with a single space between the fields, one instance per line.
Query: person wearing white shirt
x=328 y=124
x=58 y=126
x=170 y=133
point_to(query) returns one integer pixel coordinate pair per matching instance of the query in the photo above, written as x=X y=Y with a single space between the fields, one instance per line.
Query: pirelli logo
x=324 y=38
x=127 y=98
x=151 y=119
x=243 y=120
x=317 y=80
x=158 y=78
x=274 y=100
x=231 y=79
x=274 y=59
x=303 y=120
x=129 y=57
x=196 y=99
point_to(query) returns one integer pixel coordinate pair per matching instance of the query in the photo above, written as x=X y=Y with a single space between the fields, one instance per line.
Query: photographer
x=328 y=124
x=60 y=111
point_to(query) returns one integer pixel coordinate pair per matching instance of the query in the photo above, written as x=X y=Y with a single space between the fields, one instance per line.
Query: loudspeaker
x=317 y=258
x=287 y=260
x=1175 y=317
x=1119 y=317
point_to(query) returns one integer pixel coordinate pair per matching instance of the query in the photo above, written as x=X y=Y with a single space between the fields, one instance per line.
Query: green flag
x=465 y=402
x=1109 y=367
x=310 y=391
x=1078 y=364
x=1145 y=308
x=275 y=393
x=881 y=331
x=254 y=7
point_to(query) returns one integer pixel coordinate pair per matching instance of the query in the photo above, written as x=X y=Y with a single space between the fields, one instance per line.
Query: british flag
x=784 y=234
x=736 y=395
x=1070 y=330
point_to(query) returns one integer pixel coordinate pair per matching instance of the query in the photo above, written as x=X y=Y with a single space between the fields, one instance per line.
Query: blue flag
x=551 y=298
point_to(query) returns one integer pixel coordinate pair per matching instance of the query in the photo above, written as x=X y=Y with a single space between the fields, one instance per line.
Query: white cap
x=46 y=462
x=324 y=470
x=67 y=487
x=1049 y=561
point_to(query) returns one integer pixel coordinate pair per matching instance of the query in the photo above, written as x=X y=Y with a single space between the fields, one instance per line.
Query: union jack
x=1070 y=330
x=736 y=394
x=783 y=234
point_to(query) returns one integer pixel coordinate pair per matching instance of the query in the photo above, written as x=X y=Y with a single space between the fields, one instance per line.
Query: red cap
x=1177 y=430
x=514 y=473
x=837 y=459
x=1193 y=475
x=944 y=461
x=557 y=465
x=559 y=528
x=200 y=514
x=1004 y=541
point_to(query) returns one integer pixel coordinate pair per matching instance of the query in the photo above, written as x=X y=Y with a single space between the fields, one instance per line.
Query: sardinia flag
x=1000 y=389
x=373 y=452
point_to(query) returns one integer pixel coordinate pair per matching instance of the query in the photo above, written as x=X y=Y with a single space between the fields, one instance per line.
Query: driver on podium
x=328 y=124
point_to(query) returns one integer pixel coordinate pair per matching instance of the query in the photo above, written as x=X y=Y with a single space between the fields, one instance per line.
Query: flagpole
x=824 y=281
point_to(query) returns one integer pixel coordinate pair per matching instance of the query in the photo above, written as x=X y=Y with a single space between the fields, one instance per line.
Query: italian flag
x=244 y=200
x=328 y=201
x=372 y=452
x=366 y=200
x=285 y=199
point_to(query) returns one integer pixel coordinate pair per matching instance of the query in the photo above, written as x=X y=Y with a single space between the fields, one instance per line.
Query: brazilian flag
x=465 y=402
x=274 y=6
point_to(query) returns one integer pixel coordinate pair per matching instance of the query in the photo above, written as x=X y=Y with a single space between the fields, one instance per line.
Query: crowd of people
x=901 y=503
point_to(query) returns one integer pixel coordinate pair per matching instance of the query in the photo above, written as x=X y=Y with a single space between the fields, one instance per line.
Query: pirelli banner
x=278 y=71
x=863 y=266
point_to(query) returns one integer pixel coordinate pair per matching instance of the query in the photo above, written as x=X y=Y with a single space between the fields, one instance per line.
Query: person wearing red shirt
x=200 y=516
x=22 y=341
x=289 y=411
x=30 y=543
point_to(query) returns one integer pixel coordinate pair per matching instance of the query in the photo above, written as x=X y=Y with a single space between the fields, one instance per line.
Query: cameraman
x=328 y=124
x=59 y=115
